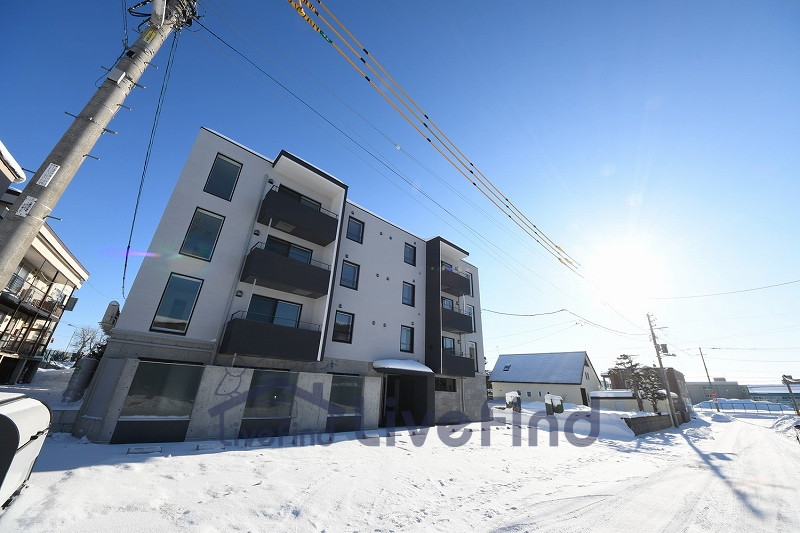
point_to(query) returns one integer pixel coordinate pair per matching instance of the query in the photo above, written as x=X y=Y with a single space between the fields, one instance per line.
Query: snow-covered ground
x=716 y=473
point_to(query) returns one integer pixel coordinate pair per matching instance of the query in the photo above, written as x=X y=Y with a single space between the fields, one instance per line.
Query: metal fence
x=747 y=407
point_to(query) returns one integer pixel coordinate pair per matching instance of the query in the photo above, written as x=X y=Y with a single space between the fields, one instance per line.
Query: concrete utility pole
x=663 y=373
x=788 y=380
x=21 y=225
x=710 y=386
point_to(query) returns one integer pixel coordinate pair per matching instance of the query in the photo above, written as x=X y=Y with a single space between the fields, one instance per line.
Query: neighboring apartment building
x=701 y=391
x=272 y=305
x=534 y=375
x=35 y=297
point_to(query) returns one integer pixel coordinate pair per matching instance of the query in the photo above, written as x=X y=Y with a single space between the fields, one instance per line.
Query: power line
x=585 y=320
x=725 y=293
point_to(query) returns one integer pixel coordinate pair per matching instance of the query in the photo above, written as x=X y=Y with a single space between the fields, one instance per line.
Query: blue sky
x=656 y=142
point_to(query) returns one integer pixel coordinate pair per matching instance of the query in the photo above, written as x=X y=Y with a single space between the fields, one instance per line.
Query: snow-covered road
x=713 y=474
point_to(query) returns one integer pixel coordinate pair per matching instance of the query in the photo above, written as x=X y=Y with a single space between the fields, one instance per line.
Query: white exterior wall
x=380 y=289
x=220 y=275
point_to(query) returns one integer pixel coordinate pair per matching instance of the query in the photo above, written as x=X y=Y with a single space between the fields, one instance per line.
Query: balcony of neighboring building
x=289 y=271
x=30 y=296
x=298 y=215
x=270 y=336
x=455 y=283
x=457 y=322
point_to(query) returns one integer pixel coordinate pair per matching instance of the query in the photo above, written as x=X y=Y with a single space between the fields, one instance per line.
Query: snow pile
x=48 y=387
x=785 y=425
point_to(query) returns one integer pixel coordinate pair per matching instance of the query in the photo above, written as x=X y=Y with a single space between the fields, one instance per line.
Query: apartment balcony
x=264 y=336
x=455 y=283
x=286 y=213
x=30 y=299
x=456 y=364
x=456 y=322
x=268 y=269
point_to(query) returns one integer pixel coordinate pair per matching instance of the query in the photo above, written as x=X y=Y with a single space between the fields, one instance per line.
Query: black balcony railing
x=285 y=273
x=296 y=217
x=271 y=336
x=313 y=262
x=276 y=320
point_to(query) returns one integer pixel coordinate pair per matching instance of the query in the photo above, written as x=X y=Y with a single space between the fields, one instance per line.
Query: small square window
x=406 y=339
x=410 y=254
x=506 y=368
x=343 y=327
x=444 y=385
x=529 y=394
x=355 y=230
x=201 y=237
x=349 y=276
x=223 y=177
x=408 y=294
x=177 y=304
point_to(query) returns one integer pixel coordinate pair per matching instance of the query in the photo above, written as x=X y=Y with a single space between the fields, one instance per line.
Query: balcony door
x=274 y=311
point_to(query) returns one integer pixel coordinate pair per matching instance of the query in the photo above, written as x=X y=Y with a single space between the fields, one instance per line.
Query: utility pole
x=28 y=213
x=663 y=373
x=710 y=386
x=788 y=380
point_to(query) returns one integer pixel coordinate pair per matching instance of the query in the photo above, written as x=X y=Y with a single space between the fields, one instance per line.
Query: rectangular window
x=408 y=294
x=346 y=392
x=162 y=390
x=448 y=346
x=343 y=327
x=469 y=277
x=472 y=346
x=445 y=385
x=406 y=339
x=272 y=311
x=447 y=303
x=223 y=177
x=303 y=199
x=271 y=394
x=287 y=249
x=349 y=275
x=471 y=313
x=202 y=235
x=447 y=266
x=177 y=303
x=355 y=230
x=410 y=254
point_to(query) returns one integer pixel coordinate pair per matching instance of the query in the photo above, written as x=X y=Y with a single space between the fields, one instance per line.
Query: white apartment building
x=271 y=305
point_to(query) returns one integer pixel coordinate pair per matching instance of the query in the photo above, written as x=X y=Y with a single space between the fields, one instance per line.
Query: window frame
x=470 y=346
x=175 y=275
x=300 y=197
x=289 y=246
x=413 y=261
x=451 y=303
x=410 y=330
x=443 y=384
x=450 y=339
x=352 y=327
x=272 y=317
x=235 y=181
x=413 y=294
x=341 y=275
x=468 y=275
x=189 y=229
x=360 y=239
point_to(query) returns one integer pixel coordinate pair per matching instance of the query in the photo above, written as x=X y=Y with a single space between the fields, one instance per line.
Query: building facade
x=701 y=391
x=36 y=296
x=570 y=375
x=271 y=305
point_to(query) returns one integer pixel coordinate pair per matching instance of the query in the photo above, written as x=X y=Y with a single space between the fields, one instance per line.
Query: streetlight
x=74 y=331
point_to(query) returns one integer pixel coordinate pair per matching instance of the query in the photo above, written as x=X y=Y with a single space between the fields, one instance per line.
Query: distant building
x=33 y=300
x=566 y=374
x=701 y=391
x=677 y=385
x=774 y=393
x=269 y=304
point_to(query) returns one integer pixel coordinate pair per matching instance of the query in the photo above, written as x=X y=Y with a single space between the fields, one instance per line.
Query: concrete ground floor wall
x=141 y=392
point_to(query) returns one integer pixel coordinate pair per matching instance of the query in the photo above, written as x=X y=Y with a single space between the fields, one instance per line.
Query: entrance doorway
x=407 y=401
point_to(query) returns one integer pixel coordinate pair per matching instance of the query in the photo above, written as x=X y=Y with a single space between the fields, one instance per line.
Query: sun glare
x=626 y=270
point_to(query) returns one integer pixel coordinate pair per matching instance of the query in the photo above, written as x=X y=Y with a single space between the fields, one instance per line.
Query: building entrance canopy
x=401 y=366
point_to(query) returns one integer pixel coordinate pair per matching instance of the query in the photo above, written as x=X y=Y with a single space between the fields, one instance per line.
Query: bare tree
x=86 y=339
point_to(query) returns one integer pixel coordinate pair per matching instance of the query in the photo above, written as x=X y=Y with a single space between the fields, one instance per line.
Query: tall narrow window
x=272 y=311
x=406 y=339
x=343 y=327
x=410 y=254
x=472 y=346
x=355 y=230
x=469 y=277
x=471 y=313
x=177 y=303
x=349 y=277
x=202 y=235
x=223 y=177
x=408 y=294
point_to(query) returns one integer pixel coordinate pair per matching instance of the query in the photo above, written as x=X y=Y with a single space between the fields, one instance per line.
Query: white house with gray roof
x=566 y=374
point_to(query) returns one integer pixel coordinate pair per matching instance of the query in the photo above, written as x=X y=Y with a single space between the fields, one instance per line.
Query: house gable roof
x=559 y=367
